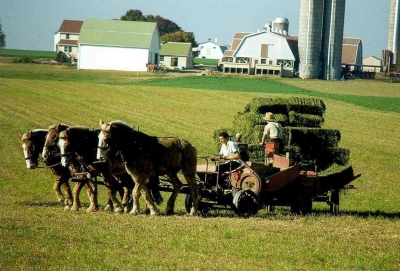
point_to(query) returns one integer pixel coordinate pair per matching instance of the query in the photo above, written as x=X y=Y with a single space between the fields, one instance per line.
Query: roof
x=68 y=42
x=175 y=48
x=133 y=34
x=351 y=41
x=237 y=39
x=69 y=26
x=349 y=53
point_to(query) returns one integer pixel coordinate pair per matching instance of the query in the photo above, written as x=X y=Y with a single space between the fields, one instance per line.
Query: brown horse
x=145 y=156
x=33 y=143
x=50 y=147
x=78 y=147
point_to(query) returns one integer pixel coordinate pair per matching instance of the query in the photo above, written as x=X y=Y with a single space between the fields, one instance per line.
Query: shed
x=176 y=55
x=372 y=64
x=118 y=45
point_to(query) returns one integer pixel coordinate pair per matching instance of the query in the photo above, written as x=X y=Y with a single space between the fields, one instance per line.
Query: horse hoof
x=67 y=208
x=118 y=210
x=107 y=208
x=134 y=212
x=170 y=212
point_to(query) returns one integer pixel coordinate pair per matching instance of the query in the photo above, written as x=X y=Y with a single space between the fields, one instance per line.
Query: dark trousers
x=230 y=166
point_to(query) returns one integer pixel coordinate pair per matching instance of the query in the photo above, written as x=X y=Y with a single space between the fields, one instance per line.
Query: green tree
x=2 y=38
x=179 y=36
x=165 y=26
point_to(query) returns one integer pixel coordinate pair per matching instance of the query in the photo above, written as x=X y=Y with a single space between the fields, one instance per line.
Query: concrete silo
x=332 y=39
x=310 y=38
x=394 y=34
x=321 y=38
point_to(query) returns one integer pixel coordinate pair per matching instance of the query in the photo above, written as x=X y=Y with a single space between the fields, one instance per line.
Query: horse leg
x=57 y=190
x=135 y=195
x=177 y=185
x=149 y=202
x=112 y=193
x=194 y=190
x=91 y=190
x=76 y=202
x=68 y=194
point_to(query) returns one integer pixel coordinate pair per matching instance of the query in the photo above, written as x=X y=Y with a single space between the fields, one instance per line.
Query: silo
x=268 y=26
x=394 y=33
x=332 y=39
x=310 y=33
x=281 y=25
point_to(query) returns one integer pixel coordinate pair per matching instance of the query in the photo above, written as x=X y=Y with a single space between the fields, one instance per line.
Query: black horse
x=145 y=156
x=78 y=147
x=33 y=143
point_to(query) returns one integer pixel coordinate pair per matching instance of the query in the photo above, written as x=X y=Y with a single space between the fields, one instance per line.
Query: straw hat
x=269 y=116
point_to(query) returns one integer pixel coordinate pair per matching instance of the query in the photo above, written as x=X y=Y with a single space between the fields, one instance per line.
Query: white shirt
x=273 y=129
x=229 y=149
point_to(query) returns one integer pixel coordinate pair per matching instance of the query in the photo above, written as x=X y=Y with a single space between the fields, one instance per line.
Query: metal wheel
x=334 y=202
x=245 y=203
x=250 y=181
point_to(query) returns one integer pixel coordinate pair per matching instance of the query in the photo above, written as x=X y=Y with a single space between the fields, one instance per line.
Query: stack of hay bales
x=303 y=136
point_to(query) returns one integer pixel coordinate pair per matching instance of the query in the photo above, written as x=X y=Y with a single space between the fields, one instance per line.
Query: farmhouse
x=118 y=45
x=372 y=64
x=263 y=52
x=211 y=50
x=66 y=38
x=176 y=55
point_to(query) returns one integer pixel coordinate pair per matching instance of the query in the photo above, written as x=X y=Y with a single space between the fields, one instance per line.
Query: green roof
x=175 y=49
x=117 y=33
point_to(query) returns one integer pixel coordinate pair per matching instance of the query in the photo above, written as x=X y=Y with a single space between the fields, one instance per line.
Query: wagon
x=255 y=186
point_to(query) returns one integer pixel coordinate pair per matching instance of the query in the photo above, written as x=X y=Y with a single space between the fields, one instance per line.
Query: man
x=273 y=129
x=229 y=152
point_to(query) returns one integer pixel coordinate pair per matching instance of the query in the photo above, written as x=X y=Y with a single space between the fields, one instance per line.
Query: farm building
x=352 y=53
x=118 y=45
x=263 y=52
x=176 y=55
x=372 y=64
x=66 y=38
x=211 y=50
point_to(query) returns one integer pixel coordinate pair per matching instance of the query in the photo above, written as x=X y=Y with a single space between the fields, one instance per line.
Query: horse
x=51 y=147
x=78 y=145
x=33 y=143
x=145 y=156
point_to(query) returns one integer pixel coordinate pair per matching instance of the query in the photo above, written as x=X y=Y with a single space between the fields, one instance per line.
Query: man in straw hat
x=273 y=129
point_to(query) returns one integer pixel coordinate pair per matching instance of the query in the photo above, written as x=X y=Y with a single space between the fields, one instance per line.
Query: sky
x=31 y=24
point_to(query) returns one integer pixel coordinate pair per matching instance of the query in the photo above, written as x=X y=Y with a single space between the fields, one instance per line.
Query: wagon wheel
x=301 y=204
x=200 y=207
x=334 y=202
x=250 y=181
x=245 y=203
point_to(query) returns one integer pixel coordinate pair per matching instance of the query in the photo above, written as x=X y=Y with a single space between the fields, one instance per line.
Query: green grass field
x=36 y=234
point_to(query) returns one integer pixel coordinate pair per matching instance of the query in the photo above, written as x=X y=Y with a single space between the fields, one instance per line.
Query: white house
x=66 y=38
x=176 y=55
x=261 y=53
x=211 y=50
x=118 y=45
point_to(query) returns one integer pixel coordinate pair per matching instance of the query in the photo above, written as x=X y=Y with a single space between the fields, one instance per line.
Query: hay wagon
x=255 y=186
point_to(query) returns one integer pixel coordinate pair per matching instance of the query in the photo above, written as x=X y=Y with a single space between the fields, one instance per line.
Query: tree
x=165 y=26
x=179 y=36
x=2 y=38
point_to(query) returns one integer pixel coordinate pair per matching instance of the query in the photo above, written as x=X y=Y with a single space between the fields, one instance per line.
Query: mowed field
x=37 y=234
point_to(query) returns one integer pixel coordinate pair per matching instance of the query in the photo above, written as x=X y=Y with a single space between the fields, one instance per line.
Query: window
x=67 y=36
x=264 y=50
x=263 y=61
x=68 y=49
x=161 y=58
x=285 y=63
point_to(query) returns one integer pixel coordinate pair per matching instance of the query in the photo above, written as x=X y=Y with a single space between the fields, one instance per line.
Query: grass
x=205 y=61
x=36 y=234
x=27 y=53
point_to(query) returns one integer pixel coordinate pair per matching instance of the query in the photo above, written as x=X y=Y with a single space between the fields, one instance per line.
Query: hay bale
x=264 y=105
x=313 y=137
x=306 y=106
x=305 y=120
x=256 y=153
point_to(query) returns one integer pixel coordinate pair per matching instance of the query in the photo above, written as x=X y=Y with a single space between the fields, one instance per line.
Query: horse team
x=128 y=161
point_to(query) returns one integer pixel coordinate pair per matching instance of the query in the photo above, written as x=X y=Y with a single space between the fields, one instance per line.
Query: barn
x=118 y=45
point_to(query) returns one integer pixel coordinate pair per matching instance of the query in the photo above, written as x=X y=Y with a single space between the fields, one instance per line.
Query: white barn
x=118 y=45
x=261 y=53
x=211 y=50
